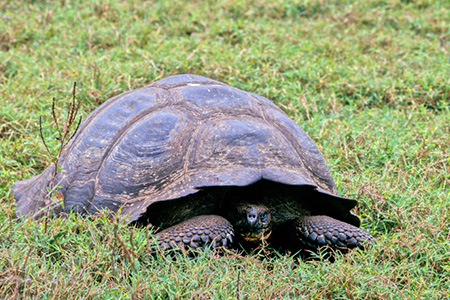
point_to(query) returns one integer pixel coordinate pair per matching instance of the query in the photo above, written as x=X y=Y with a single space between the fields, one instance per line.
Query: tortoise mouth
x=256 y=236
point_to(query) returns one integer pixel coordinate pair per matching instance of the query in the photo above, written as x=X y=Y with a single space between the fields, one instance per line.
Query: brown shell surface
x=170 y=138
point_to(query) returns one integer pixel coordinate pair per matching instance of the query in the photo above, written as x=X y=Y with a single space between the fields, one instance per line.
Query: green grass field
x=369 y=81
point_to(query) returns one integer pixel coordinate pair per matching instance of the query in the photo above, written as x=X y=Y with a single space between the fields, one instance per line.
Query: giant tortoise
x=206 y=163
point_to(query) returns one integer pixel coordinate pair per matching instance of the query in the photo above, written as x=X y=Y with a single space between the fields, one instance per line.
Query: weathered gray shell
x=170 y=138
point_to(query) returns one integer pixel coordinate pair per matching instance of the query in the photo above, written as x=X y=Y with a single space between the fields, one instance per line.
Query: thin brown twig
x=42 y=135
x=71 y=115
x=74 y=105
x=56 y=119
x=75 y=131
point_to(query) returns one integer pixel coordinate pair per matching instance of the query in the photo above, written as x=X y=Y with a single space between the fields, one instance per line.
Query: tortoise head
x=252 y=222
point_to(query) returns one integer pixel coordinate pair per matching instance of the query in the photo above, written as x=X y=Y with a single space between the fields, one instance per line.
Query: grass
x=367 y=80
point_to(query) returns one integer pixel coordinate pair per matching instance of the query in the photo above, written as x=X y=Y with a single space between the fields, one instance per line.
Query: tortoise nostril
x=251 y=217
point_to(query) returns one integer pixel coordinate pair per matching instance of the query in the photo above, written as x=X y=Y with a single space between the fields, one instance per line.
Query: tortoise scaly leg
x=318 y=231
x=197 y=232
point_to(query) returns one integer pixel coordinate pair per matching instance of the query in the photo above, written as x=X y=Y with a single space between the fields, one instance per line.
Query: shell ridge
x=69 y=178
x=123 y=130
x=275 y=124
x=289 y=137
x=92 y=117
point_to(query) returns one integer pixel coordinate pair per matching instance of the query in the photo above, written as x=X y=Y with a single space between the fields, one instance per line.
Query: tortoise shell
x=173 y=138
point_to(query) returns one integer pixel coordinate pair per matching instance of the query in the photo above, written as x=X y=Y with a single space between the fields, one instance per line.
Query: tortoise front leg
x=197 y=232
x=318 y=231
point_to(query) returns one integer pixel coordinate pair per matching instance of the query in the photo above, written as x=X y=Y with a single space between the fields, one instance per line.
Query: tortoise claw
x=230 y=238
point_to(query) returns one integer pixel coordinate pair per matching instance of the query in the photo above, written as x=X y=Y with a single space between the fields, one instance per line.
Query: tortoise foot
x=318 y=231
x=197 y=232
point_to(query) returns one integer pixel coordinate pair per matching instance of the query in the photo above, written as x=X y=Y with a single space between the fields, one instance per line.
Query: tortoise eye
x=263 y=217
